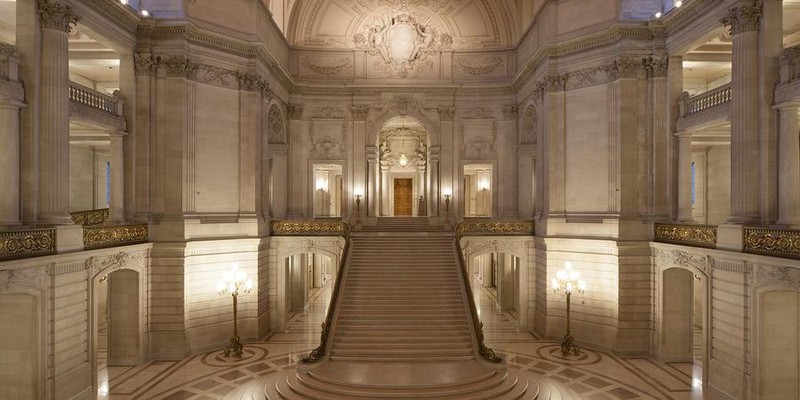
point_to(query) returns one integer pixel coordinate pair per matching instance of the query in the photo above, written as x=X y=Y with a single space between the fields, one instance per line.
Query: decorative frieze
x=30 y=243
x=97 y=237
x=56 y=15
x=327 y=112
x=743 y=18
x=482 y=66
x=477 y=113
x=113 y=262
x=338 y=66
x=510 y=112
x=294 y=111
x=495 y=228
x=252 y=81
x=309 y=228
x=772 y=242
x=656 y=66
x=446 y=113
x=145 y=64
x=680 y=258
x=686 y=234
x=770 y=273
x=179 y=67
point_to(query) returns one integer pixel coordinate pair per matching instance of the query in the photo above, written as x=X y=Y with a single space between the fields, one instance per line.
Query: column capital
x=294 y=111
x=359 y=113
x=56 y=15
x=744 y=18
x=144 y=64
x=446 y=113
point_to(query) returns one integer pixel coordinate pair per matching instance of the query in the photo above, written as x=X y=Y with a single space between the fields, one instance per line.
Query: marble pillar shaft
x=54 y=129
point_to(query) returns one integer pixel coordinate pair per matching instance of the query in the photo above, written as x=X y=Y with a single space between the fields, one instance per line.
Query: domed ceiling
x=457 y=24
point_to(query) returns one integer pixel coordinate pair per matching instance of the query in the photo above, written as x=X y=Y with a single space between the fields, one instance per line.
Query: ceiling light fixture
x=145 y=13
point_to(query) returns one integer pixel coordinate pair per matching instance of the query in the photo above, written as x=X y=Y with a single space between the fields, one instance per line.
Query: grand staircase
x=403 y=329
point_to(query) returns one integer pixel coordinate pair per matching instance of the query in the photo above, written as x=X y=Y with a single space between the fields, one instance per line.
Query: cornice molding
x=122 y=16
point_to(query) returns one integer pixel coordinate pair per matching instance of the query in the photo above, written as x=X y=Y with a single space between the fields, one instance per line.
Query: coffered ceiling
x=473 y=24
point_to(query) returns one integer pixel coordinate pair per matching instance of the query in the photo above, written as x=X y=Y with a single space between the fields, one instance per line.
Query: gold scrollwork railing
x=772 y=242
x=484 y=351
x=687 y=234
x=90 y=217
x=24 y=244
x=495 y=228
x=98 y=237
x=330 y=227
x=318 y=354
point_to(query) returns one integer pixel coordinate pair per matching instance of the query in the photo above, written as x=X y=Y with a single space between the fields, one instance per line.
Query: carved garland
x=480 y=70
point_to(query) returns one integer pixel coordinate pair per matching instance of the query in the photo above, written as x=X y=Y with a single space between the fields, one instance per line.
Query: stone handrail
x=318 y=354
x=485 y=352
x=28 y=243
x=90 y=217
x=495 y=228
x=772 y=242
x=89 y=97
x=98 y=237
x=705 y=101
x=687 y=234
x=322 y=227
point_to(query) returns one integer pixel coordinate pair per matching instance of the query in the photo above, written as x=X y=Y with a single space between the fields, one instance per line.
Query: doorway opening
x=404 y=180
x=327 y=190
x=495 y=281
x=403 y=197
x=779 y=345
x=683 y=330
x=478 y=190
x=307 y=277
x=117 y=328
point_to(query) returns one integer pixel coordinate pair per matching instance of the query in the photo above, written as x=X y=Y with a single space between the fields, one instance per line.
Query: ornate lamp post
x=358 y=196
x=568 y=280
x=447 y=195
x=233 y=282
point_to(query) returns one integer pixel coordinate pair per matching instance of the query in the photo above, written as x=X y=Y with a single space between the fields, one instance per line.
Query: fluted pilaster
x=743 y=22
x=56 y=19
x=684 y=178
x=116 y=208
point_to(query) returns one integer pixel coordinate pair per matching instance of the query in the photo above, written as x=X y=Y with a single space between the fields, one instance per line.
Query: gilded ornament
x=310 y=228
x=90 y=217
x=687 y=234
x=98 y=237
x=772 y=242
x=495 y=228
x=24 y=244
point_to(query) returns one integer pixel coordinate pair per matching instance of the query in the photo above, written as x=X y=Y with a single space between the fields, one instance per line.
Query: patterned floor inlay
x=595 y=375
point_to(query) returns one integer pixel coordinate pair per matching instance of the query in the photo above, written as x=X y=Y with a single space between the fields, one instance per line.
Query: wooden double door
x=403 y=197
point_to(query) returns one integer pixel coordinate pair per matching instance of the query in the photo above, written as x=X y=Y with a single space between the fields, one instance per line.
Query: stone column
x=434 y=192
x=116 y=212
x=385 y=182
x=56 y=19
x=743 y=21
x=684 y=178
x=360 y=162
x=448 y=172
x=373 y=202
x=674 y=93
x=421 y=189
x=297 y=164
x=789 y=166
x=9 y=161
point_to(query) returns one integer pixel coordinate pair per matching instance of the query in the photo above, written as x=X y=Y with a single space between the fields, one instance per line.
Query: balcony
x=705 y=108
x=89 y=105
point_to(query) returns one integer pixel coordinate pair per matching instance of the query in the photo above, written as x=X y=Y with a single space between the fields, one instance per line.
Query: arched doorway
x=404 y=180
x=117 y=328
x=683 y=322
x=308 y=285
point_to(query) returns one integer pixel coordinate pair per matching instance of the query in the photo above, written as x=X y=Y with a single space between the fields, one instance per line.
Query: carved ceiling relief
x=404 y=148
x=401 y=45
x=327 y=67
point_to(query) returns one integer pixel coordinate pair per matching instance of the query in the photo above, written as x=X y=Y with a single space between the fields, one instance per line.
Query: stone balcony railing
x=705 y=101
x=90 y=105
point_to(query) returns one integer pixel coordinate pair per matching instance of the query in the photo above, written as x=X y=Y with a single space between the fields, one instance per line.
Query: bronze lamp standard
x=568 y=280
x=358 y=196
x=447 y=195
x=233 y=282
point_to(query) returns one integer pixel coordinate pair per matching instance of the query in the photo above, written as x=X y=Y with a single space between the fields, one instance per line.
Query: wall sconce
x=568 y=280
x=233 y=282
x=484 y=184
x=403 y=160
x=447 y=195
x=358 y=195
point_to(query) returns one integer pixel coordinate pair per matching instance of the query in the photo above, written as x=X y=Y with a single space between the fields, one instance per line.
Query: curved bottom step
x=456 y=381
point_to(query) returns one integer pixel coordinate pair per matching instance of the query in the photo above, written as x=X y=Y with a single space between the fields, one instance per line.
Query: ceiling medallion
x=401 y=44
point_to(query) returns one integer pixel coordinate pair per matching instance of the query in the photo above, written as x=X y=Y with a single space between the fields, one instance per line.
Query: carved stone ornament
x=22 y=277
x=56 y=15
x=359 y=113
x=681 y=258
x=113 y=262
x=327 y=147
x=657 y=66
x=627 y=67
x=744 y=18
x=766 y=273
x=276 y=126
x=327 y=112
x=495 y=228
x=252 y=81
x=402 y=105
x=529 y=124
x=336 y=67
x=510 y=112
x=550 y=83
x=294 y=111
x=481 y=67
x=446 y=113
x=401 y=43
x=145 y=64
x=180 y=67
x=477 y=113
x=8 y=50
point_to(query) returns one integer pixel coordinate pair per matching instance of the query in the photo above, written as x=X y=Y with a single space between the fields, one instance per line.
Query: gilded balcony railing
x=705 y=101
x=772 y=242
x=320 y=227
x=29 y=243
x=687 y=234
x=90 y=217
x=495 y=228
x=98 y=237
x=89 y=97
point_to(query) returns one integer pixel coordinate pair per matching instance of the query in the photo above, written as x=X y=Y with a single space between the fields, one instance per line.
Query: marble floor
x=594 y=374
